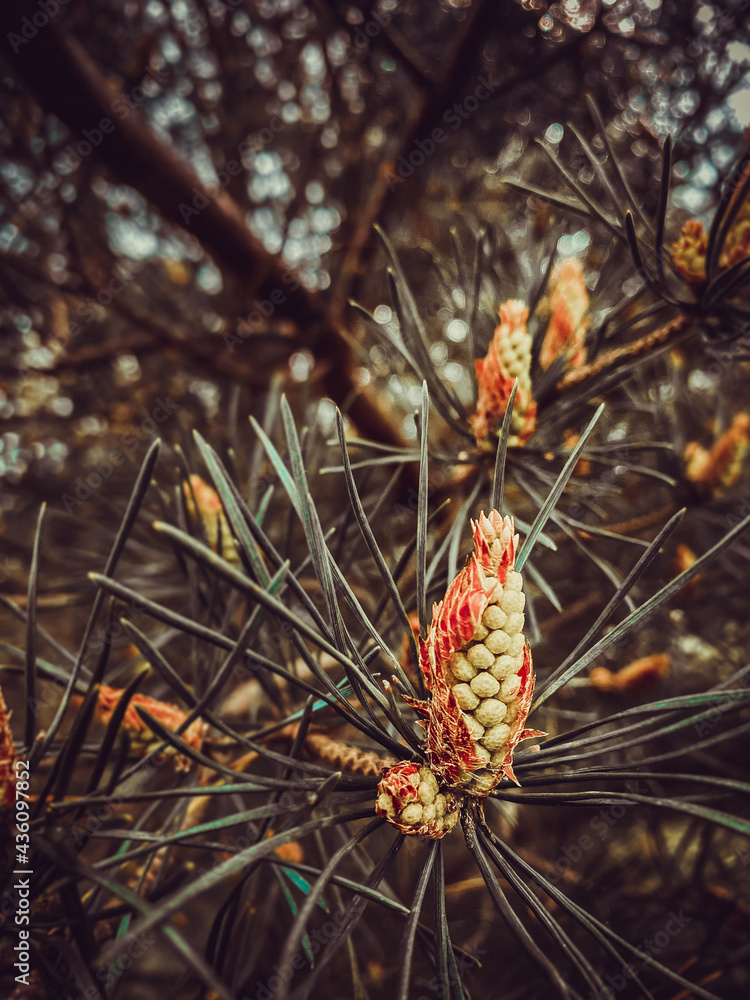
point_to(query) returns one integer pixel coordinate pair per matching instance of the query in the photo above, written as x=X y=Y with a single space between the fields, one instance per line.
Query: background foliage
x=188 y=196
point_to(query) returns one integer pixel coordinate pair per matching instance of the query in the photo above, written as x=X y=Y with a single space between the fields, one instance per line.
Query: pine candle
x=477 y=666
x=508 y=359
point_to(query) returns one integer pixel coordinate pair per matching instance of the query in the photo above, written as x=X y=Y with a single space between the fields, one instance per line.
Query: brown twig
x=67 y=82
x=643 y=521
x=633 y=351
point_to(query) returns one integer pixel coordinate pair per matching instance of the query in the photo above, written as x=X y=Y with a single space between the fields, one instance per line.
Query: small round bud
x=385 y=805
x=490 y=712
x=476 y=729
x=484 y=685
x=511 y=714
x=515 y=622
x=494 y=617
x=516 y=644
x=462 y=669
x=496 y=736
x=411 y=814
x=497 y=642
x=408 y=797
x=504 y=666
x=428 y=786
x=465 y=697
x=480 y=656
x=482 y=782
x=510 y=687
x=512 y=601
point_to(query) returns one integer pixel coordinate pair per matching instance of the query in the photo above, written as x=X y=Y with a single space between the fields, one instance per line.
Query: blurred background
x=188 y=192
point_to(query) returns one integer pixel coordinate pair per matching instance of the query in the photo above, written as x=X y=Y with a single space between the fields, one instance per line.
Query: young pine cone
x=508 y=359
x=410 y=798
x=477 y=665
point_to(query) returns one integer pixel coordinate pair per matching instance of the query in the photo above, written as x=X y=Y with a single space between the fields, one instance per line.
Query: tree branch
x=67 y=82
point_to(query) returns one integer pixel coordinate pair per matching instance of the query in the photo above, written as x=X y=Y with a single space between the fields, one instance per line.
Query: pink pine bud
x=410 y=798
x=568 y=303
x=477 y=666
x=508 y=358
x=170 y=716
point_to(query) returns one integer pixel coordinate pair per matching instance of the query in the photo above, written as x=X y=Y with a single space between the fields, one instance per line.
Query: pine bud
x=568 y=305
x=481 y=679
x=410 y=798
x=508 y=359
x=169 y=715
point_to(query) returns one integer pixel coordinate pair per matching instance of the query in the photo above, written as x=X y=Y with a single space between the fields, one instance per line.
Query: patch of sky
x=263 y=41
x=169 y=111
x=128 y=237
x=155 y=14
x=170 y=50
x=267 y=226
x=313 y=62
x=19 y=179
x=738 y=105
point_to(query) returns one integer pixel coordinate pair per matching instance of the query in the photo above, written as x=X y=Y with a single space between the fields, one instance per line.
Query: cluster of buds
x=477 y=666
x=689 y=252
x=718 y=469
x=508 y=359
x=509 y=354
x=409 y=797
x=170 y=716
